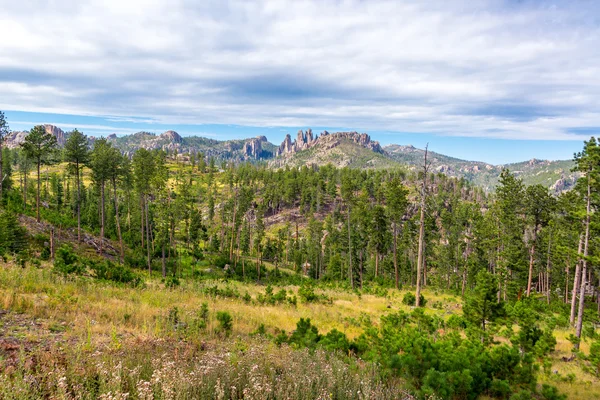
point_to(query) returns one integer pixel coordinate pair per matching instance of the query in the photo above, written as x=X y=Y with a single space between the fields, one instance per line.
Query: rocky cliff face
x=171 y=136
x=253 y=147
x=306 y=140
x=15 y=138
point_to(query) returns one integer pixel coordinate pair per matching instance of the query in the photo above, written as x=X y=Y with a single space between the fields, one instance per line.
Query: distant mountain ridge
x=257 y=148
x=342 y=149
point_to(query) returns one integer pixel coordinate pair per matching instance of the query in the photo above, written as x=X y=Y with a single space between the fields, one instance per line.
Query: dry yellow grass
x=87 y=307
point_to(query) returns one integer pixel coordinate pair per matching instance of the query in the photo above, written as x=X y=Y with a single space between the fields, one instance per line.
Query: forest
x=165 y=275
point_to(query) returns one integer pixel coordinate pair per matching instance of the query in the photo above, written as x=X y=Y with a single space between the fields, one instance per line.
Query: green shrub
x=456 y=322
x=225 y=322
x=109 y=271
x=594 y=357
x=410 y=299
x=307 y=294
x=66 y=261
x=335 y=340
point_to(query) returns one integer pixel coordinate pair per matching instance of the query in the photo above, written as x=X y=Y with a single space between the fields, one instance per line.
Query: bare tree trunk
x=24 y=188
x=531 y=260
x=584 y=265
x=421 y=231
x=101 y=217
x=396 y=255
x=350 y=274
x=78 y=202
x=361 y=268
x=164 y=265
x=121 y=254
x=147 y=233
x=52 y=243
x=576 y=281
x=233 y=227
x=548 y=269
x=37 y=198
x=567 y=283
x=142 y=210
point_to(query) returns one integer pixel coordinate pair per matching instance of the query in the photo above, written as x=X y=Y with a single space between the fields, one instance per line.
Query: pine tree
x=397 y=202
x=102 y=168
x=481 y=306
x=77 y=155
x=587 y=162
x=38 y=145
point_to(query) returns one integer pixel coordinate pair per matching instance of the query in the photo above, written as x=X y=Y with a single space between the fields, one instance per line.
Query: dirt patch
x=21 y=335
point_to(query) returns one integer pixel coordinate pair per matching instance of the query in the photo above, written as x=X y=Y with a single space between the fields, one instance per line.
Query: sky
x=490 y=80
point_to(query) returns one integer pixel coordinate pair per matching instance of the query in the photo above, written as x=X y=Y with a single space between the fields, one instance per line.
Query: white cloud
x=519 y=70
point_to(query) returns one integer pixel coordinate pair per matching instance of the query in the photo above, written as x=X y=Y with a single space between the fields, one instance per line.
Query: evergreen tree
x=481 y=307
x=77 y=155
x=397 y=203
x=587 y=162
x=38 y=145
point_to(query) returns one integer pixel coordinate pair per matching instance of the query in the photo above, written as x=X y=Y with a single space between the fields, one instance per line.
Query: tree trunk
x=25 y=190
x=396 y=256
x=361 y=268
x=78 y=203
x=142 y=209
x=584 y=264
x=350 y=274
x=147 y=234
x=232 y=228
x=548 y=269
x=121 y=255
x=531 y=260
x=421 y=232
x=52 y=247
x=101 y=216
x=37 y=198
x=164 y=265
x=567 y=283
x=576 y=280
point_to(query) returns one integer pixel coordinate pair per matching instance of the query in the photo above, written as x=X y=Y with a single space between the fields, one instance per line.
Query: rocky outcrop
x=15 y=138
x=56 y=132
x=286 y=147
x=172 y=136
x=328 y=140
x=253 y=147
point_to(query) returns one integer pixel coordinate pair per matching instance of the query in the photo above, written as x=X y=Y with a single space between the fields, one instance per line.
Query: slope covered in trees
x=510 y=256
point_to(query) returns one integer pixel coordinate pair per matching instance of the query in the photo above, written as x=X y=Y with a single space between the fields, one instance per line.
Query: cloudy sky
x=497 y=81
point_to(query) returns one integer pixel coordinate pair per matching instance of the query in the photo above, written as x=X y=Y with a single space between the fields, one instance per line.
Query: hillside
x=555 y=175
x=242 y=149
x=341 y=152
x=341 y=149
x=257 y=148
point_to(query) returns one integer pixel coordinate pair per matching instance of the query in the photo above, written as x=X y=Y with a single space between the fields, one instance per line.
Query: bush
x=13 y=237
x=66 y=261
x=225 y=322
x=456 y=322
x=307 y=294
x=109 y=271
x=410 y=300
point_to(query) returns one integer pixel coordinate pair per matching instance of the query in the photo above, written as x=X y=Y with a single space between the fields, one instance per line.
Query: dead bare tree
x=420 y=256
